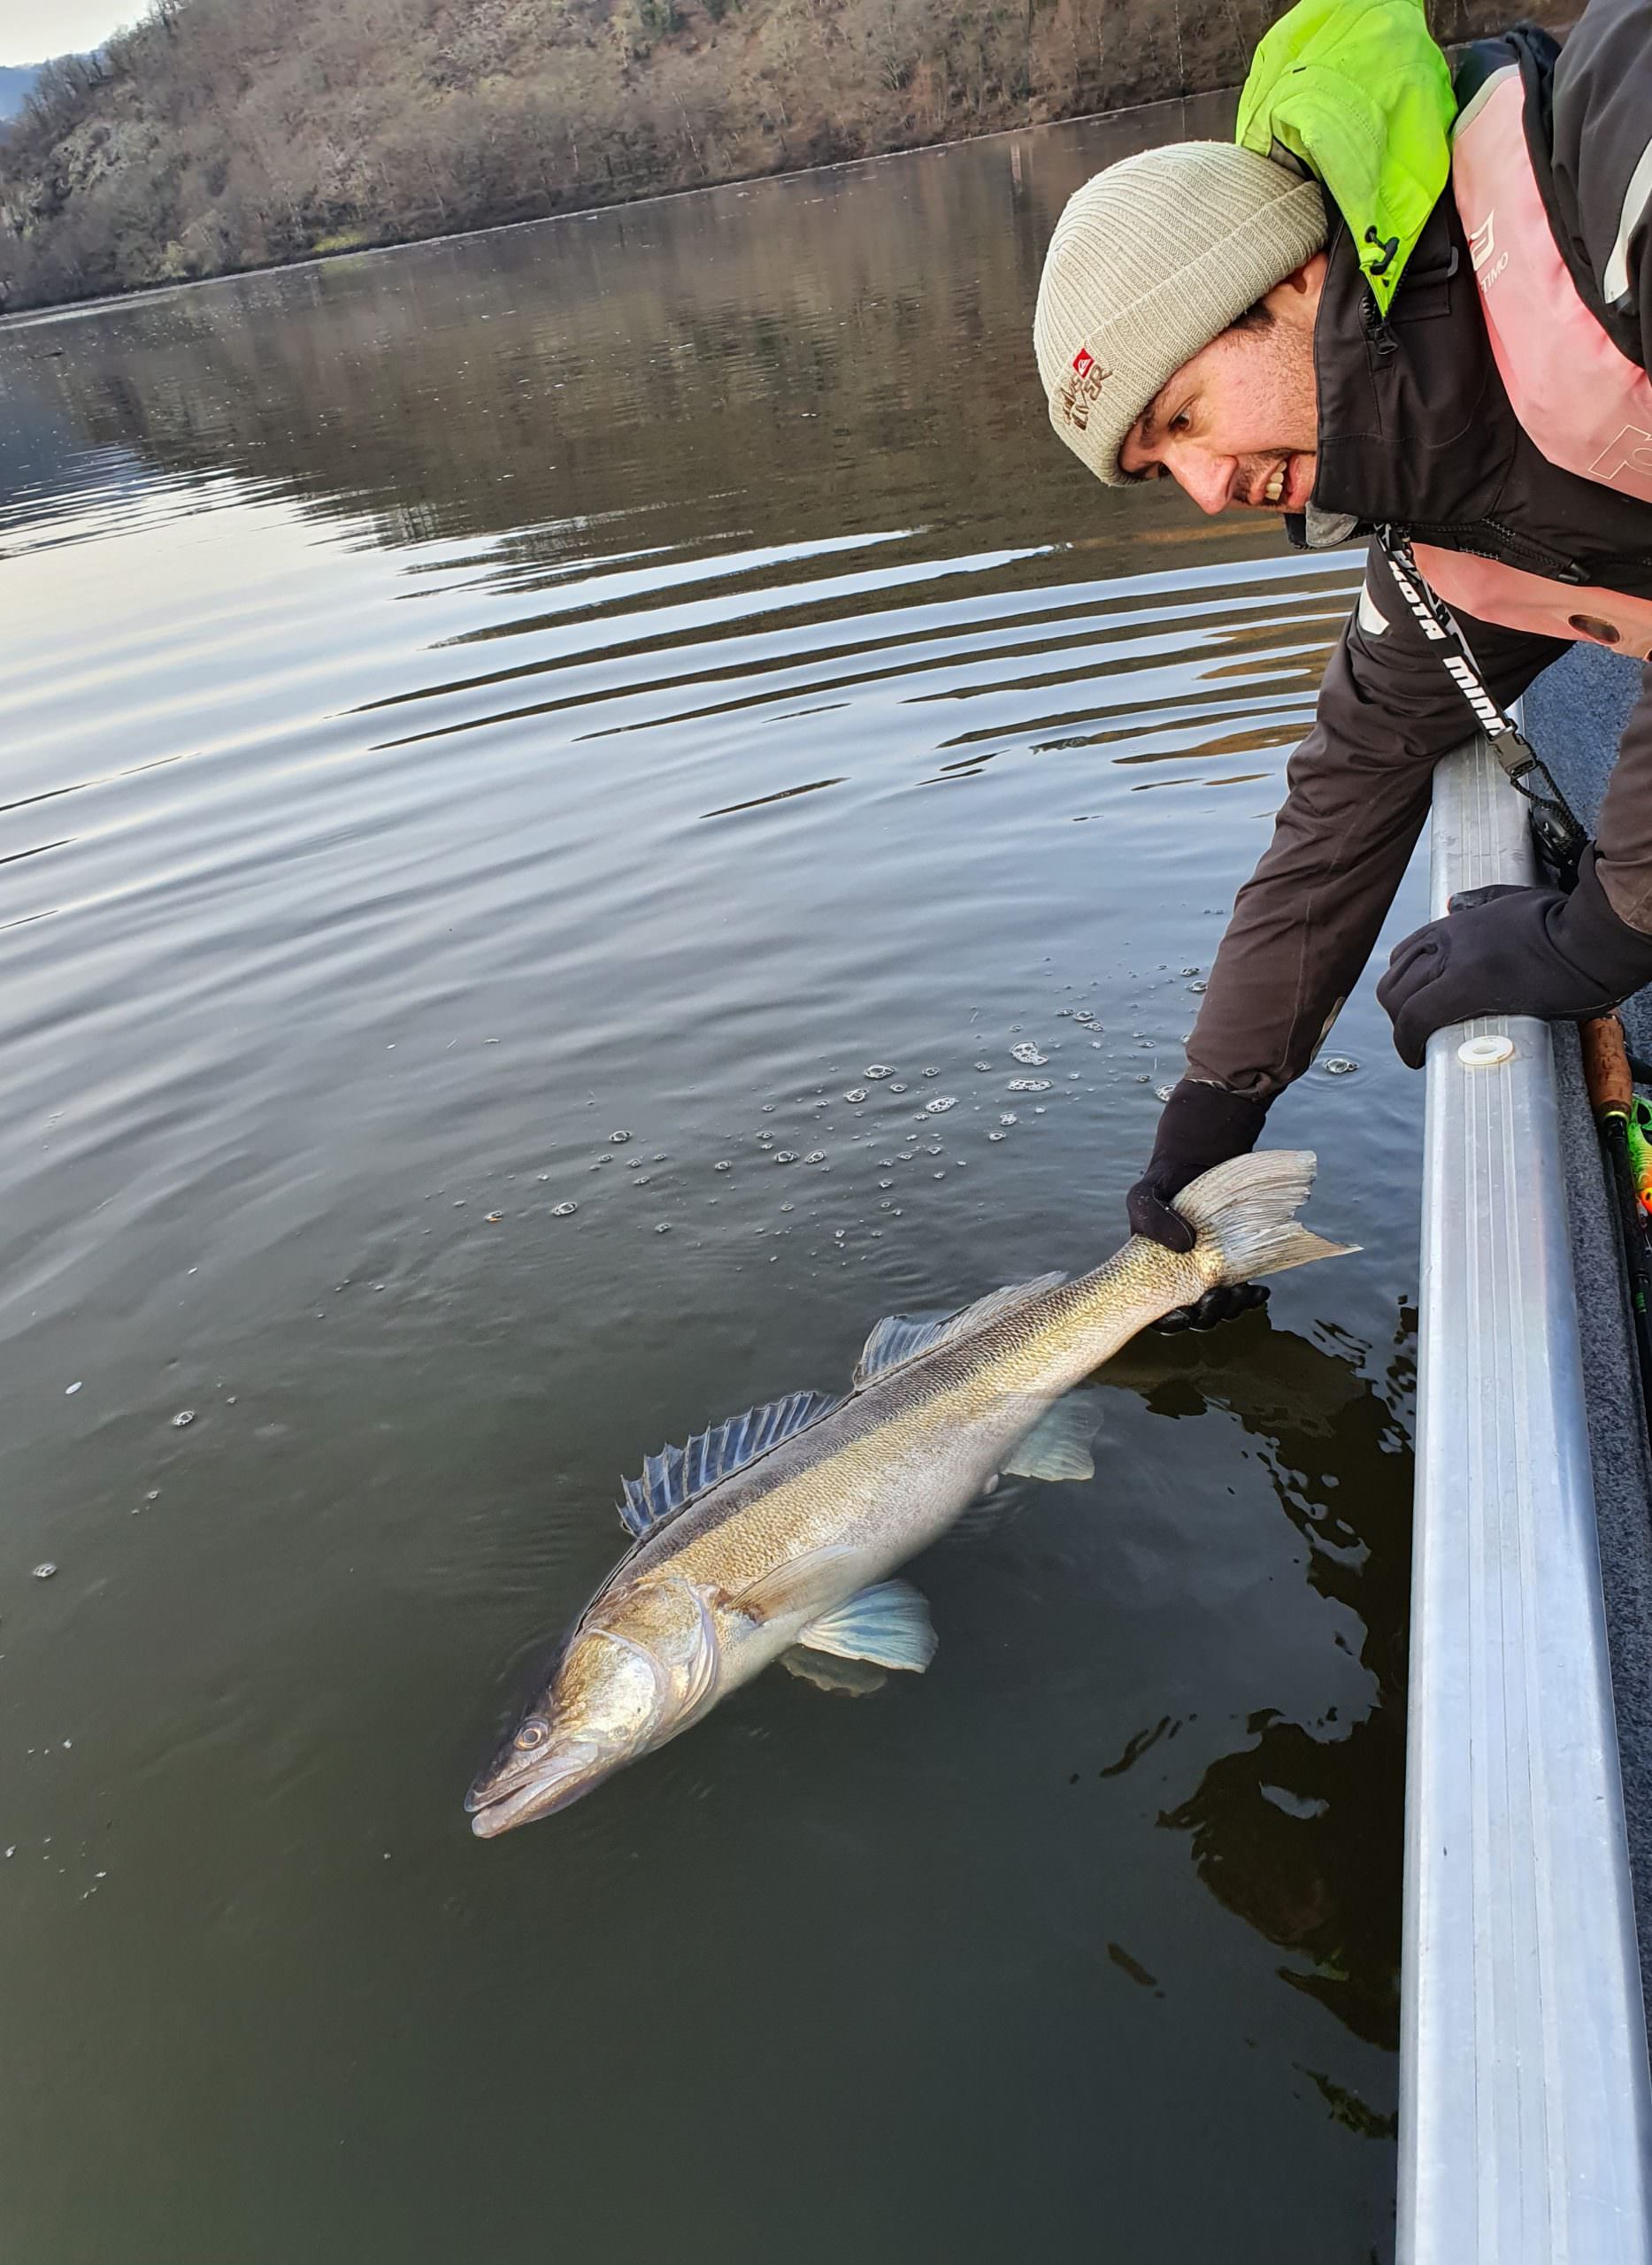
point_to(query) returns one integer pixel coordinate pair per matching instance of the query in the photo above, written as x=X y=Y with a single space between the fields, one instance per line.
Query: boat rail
x=1525 y=2115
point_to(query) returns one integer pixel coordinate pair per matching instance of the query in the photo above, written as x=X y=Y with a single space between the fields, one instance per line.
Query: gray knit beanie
x=1150 y=260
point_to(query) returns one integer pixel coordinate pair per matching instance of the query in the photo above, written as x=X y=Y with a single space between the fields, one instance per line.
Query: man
x=1219 y=316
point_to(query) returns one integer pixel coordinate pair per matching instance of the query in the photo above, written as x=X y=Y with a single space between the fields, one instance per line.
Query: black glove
x=1202 y=1125
x=1513 y=951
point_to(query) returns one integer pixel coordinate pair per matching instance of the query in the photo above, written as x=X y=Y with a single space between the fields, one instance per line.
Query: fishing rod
x=1624 y=1121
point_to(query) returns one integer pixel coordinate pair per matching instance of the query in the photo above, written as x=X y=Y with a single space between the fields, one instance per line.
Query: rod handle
x=1606 y=1068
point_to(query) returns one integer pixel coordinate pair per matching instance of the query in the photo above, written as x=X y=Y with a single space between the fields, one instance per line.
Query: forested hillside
x=228 y=134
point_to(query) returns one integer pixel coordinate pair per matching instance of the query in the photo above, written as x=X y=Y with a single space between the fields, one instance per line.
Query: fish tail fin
x=1244 y=1211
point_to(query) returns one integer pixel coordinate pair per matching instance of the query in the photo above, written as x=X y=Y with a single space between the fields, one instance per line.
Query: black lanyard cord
x=1560 y=837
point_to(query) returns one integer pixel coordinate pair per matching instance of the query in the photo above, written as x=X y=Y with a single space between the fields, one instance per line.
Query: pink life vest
x=1587 y=406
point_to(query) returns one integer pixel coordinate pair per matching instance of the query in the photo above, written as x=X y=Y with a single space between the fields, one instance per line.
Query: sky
x=30 y=30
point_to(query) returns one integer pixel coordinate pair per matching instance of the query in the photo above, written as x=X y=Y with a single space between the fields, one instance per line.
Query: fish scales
x=795 y=1548
x=836 y=1479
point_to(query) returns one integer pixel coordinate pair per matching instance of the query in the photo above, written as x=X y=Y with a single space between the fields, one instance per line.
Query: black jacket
x=1416 y=430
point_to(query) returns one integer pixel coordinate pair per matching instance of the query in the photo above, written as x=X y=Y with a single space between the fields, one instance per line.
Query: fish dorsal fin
x=898 y=1340
x=678 y=1476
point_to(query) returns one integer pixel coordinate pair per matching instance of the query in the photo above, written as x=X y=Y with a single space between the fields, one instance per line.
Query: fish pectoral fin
x=802 y=1585
x=1058 y=1445
x=854 y=1679
x=888 y=1625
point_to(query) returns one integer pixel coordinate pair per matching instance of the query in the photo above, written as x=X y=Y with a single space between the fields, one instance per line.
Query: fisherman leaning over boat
x=1414 y=307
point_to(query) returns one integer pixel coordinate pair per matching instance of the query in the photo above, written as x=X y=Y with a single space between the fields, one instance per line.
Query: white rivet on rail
x=1486 y=1052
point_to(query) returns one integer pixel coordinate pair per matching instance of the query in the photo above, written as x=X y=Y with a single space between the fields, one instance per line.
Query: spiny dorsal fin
x=678 y=1476
x=897 y=1339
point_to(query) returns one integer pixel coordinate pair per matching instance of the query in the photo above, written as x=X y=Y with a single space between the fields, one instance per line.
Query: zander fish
x=772 y=1536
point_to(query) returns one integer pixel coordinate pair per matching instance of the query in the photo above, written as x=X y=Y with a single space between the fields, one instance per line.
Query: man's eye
x=1180 y=421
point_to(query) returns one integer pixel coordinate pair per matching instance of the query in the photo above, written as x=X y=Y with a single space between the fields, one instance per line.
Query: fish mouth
x=498 y=1805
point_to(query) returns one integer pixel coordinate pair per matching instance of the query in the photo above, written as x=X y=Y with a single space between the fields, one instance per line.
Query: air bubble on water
x=1200 y=986
x=1029 y=1084
x=788 y=1207
x=632 y=1162
x=1027 y=1052
x=940 y=1175
x=983 y=1065
x=1161 y=1093
x=897 y=1089
x=768 y=1109
x=997 y=1136
x=877 y=1070
x=1073 y=1076
x=618 y=1139
x=1008 y=1116
x=856 y=1093
x=931 y=1073
x=885 y=1183
x=815 y=1157
x=185 y=1415
x=1144 y=1079
x=784 y=1156
x=1190 y=970
x=563 y=1210
x=1338 y=1065
x=69 y=1390
x=44 y=1572
x=723 y=1166
x=1097 y=1043
x=941 y=1104
x=933 y=1148
x=663 y=1228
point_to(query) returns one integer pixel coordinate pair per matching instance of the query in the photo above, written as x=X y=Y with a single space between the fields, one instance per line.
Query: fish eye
x=530 y=1735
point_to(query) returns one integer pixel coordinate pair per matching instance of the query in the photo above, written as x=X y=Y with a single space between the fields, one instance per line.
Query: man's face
x=1239 y=423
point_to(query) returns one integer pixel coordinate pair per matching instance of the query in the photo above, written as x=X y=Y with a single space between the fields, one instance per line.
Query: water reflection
x=648 y=673
x=1299 y=1831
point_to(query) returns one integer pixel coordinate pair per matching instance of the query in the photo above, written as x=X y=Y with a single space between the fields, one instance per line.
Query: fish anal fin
x=888 y=1626
x=1058 y=1445
x=678 y=1476
x=899 y=1337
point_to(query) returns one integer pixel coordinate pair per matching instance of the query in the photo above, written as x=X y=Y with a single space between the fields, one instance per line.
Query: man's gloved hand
x=1202 y=1125
x=1513 y=951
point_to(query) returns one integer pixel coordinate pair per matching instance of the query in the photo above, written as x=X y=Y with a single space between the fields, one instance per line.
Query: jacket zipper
x=1511 y=550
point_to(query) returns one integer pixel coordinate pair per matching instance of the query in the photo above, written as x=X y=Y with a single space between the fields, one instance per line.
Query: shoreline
x=60 y=310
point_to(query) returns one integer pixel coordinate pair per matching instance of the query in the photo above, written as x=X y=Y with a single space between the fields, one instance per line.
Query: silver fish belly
x=775 y=1535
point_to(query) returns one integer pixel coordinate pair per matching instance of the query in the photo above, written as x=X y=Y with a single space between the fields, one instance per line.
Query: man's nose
x=1208 y=480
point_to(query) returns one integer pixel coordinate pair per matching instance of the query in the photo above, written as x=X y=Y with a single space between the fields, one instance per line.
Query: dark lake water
x=633 y=675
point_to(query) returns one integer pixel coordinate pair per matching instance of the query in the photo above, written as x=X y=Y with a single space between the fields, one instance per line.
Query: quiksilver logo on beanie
x=1082 y=389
